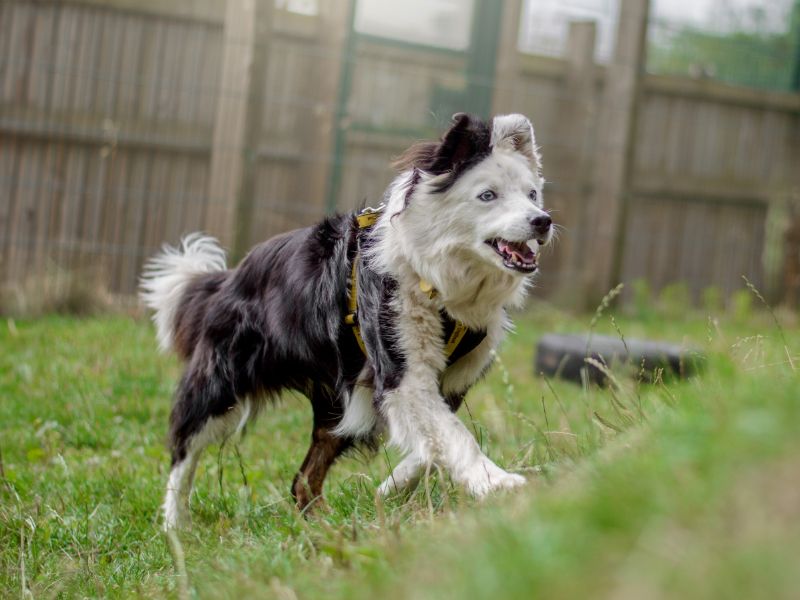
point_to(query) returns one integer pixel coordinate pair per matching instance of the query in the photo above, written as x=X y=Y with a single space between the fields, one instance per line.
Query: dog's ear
x=458 y=144
x=515 y=132
x=467 y=137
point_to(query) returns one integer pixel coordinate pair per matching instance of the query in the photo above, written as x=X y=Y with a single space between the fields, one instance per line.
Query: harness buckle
x=369 y=215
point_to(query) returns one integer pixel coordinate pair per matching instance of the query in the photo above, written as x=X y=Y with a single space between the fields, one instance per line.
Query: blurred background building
x=670 y=129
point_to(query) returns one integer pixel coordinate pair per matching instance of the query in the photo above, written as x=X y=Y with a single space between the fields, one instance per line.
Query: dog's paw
x=397 y=484
x=388 y=487
x=486 y=477
x=405 y=475
x=315 y=507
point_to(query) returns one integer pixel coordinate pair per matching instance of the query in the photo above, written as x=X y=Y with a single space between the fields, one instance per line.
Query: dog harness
x=459 y=339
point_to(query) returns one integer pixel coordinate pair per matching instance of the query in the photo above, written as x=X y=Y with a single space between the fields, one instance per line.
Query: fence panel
x=108 y=110
x=105 y=113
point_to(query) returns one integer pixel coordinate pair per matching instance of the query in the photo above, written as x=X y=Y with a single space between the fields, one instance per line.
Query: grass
x=678 y=489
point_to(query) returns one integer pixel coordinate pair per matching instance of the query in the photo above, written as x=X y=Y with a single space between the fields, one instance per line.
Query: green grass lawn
x=679 y=489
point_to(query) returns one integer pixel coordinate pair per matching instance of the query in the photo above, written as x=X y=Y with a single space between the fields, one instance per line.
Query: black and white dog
x=383 y=319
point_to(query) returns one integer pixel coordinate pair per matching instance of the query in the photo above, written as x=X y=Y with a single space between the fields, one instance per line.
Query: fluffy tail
x=166 y=275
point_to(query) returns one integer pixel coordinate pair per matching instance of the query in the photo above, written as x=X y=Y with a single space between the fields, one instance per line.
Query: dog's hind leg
x=325 y=448
x=196 y=422
x=179 y=486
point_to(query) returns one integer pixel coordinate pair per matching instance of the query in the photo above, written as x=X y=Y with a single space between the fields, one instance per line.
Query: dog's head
x=475 y=197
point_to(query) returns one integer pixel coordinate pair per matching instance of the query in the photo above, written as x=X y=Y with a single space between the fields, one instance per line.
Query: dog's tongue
x=520 y=250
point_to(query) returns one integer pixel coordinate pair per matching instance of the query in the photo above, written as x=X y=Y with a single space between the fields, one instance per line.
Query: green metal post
x=482 y=56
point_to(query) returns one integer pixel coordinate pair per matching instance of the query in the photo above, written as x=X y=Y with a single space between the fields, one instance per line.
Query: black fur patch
x=273 y=323
x=464 y=145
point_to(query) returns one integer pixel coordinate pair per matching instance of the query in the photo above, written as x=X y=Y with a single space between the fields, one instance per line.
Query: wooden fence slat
x=73 y=209
x=6 y=22
x=41 y=57
x=174 y=201
x=23 y=226
x=48 y=183
x=174 y=62
x=188 y=77
x=9 y=159
x=128 y=85
x=69 y=22
x=19 y=55
x=194 y=210
x=208 y=85
x=108 y=70
x=131 y=234
x=155 y=34
x=84 y=75
x=114 y=217
x=155 y=205
x=91 y=231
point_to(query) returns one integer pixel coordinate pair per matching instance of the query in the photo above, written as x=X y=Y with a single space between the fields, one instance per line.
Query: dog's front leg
x=404 y=476
x=421 y=424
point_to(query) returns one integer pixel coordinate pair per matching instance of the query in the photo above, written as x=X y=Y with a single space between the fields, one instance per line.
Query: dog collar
x=459 y=339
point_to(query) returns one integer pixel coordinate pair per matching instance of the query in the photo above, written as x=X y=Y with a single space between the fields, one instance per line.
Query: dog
x=382 y=318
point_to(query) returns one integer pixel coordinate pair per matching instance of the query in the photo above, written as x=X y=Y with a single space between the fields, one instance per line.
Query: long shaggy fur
x=464 y=216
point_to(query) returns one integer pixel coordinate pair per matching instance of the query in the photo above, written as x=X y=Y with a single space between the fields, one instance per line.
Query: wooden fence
x=127 y=123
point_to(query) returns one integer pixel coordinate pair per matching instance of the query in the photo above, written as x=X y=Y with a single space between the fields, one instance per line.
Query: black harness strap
x=468 y=339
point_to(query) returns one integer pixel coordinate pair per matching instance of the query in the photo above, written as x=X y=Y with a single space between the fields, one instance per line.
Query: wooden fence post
x=791 y=261
x=238 y=120
x=506 y=67
x=613 y=150
x=322 y=125
x=577 y=115
x=580 y=84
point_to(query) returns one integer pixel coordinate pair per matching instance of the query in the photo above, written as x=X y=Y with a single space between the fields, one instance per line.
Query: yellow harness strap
x=352 y=305
x=459 y=331
x=367 y=218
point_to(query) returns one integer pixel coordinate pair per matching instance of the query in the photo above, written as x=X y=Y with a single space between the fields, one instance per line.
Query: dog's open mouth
x=517 y=256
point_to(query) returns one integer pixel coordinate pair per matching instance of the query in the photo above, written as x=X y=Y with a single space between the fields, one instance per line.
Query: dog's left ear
x=515 y=132
x=458 y=144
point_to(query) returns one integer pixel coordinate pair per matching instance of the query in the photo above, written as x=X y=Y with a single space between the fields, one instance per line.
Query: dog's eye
x=488 y=196
x=533 y=195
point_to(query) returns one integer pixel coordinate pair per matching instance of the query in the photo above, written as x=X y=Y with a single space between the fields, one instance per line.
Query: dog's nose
x=541 y=224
